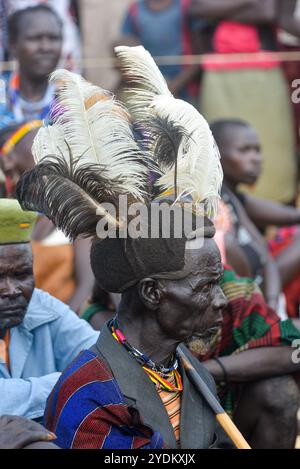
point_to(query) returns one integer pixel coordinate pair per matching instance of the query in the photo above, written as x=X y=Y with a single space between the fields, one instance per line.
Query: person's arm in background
x=263 y=12
x=236 y=257
x=271 y=342
x=272 y=282
x=20 y=433
x=219 y=9
x=286 y=17
x=26 y=397
x=183 y=79
x=84 y=277
x=265 y=212
x=254 y=364
x=70 y=335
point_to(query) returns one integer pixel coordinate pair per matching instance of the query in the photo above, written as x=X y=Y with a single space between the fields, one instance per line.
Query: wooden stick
x=223 y=419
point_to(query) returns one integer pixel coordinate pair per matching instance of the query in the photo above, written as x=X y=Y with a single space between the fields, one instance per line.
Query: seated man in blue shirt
x=39 y=335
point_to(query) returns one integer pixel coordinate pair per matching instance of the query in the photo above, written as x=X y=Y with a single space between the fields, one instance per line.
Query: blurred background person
x=68 y=11
x=253 y=90
x=164 y=28
x=61 y=268
x=35 y=40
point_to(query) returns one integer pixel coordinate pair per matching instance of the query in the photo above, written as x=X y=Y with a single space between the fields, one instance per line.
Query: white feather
x=49 y=144
x=97 y=131
x=199 y=171
x=140 y=68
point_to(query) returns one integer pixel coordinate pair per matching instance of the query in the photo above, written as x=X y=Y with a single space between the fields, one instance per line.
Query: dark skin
x=279 y=13
x=20 y=433
x=156 y=315
x=18 y=160
x=245 y=11
x=14 y=164
x=242 y=164
x=37 y=49
x=270 y=395
x=16 y=284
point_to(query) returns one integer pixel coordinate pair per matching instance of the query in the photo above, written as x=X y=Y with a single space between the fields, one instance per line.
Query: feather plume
x=72 y=200
x=197 y=169
x=49 y=143
x=98 y=132
x=146 y=81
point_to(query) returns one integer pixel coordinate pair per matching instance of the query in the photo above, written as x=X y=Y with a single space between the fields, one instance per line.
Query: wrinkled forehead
x=15 y=254
x=202 y=256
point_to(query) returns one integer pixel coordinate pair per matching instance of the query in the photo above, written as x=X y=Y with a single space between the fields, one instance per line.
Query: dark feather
x=163 y=140
x=68 y=198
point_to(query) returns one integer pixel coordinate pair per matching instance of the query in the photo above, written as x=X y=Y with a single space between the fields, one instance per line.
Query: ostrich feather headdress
x=178 y=136
x=87 y=157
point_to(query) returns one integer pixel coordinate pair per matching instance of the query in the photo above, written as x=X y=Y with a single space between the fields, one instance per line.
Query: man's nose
x=9 y=288
x=219 y=300
x=45 y=44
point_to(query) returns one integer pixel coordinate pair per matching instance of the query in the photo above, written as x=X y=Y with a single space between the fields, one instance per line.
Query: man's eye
x=206 y=288
x=21 y=274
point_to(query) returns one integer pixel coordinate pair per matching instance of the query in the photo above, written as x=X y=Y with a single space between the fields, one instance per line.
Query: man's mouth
x=207 y=333
x=11 y=309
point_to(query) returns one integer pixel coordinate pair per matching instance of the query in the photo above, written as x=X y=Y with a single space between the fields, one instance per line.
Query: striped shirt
x=172 y=403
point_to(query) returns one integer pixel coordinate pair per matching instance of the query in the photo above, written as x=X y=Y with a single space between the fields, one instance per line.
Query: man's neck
x=146 y=336
x=32 y=90
x=2 y=334
x=230 y=185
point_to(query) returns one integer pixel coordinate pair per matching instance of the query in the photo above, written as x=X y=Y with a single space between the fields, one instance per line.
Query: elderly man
x=39 y=335
x=131 y=389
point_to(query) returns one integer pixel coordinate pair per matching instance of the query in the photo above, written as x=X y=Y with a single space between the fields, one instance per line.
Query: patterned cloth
x=284 y=237
x=248 y=323
x=4 y=344
x=172 y=403
x=104 y=420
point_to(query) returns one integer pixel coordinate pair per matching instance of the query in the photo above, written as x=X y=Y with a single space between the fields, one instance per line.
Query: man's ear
x=150 y=293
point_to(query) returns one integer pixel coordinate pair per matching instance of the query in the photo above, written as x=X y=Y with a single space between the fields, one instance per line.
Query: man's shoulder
x=86 y=368
x=87 y=380
x=43 y=308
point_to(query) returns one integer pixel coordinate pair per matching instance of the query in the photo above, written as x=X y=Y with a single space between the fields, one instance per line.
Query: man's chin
x=201 y=346
x=9 y=323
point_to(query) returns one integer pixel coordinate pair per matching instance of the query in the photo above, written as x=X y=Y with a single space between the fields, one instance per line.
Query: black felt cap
x=119 y=263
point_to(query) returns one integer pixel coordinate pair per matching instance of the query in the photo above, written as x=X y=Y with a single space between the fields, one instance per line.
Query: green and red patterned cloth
x=248 y=323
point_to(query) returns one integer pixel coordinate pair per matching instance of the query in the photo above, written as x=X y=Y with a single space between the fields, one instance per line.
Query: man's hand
x=18 y=432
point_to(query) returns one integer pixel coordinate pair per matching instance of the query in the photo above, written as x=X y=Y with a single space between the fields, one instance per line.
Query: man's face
x=241 y=155
x=18 y=160
x=16 y=283
x=192 y=307
x=38 y=45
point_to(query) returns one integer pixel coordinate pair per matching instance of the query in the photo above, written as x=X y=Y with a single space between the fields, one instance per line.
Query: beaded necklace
x=157 y=373
x=15 y=99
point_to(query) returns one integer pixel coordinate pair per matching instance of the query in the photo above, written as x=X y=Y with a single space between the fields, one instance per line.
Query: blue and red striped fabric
x=86 y=409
